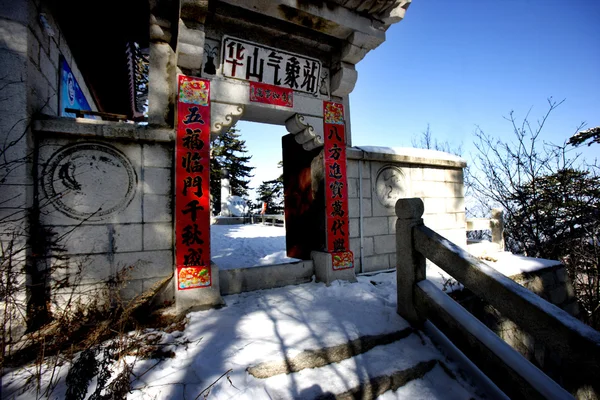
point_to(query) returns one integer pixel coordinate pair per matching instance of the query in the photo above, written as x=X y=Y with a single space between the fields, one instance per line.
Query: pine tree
x=227 y=152
x=271 y=192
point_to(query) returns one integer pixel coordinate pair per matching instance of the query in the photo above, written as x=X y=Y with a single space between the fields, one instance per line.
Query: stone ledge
x=85 y=127
x=355 y=153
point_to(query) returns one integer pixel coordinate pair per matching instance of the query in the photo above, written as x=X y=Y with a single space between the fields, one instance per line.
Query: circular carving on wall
x=89 y=181
x=390 y=185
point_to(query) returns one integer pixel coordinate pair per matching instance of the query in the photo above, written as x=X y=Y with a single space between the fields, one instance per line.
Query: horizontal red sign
x=269 y=94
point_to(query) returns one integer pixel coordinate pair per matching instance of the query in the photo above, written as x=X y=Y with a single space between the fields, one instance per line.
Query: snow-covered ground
x=241 y=246
x=278 y=324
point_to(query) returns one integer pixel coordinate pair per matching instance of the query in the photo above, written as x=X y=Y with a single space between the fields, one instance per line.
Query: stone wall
x=383 y=178
x=109 y=200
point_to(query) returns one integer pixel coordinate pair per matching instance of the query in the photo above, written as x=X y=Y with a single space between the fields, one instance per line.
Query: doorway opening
x=247 y=188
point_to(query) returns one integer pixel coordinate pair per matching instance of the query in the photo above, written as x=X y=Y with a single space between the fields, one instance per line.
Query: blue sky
x=466 y=63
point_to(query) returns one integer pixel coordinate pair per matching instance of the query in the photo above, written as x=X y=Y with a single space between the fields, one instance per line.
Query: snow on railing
x=576 y=344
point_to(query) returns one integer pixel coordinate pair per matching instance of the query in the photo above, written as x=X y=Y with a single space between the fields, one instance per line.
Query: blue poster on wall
x=71 y=95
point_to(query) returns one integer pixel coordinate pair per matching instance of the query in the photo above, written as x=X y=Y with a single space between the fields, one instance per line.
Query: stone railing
x=494 y=224
x=423 y=304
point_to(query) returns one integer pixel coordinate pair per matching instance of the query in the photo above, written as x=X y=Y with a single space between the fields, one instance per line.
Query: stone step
x=397 y=366
x=321 y=357
x=377 y=386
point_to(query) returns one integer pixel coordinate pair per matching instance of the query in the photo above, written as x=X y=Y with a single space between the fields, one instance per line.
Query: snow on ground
x=241 y=246
x=277 y=324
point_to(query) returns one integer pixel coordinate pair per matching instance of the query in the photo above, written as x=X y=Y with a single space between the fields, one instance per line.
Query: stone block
x=455 y=204
x=366 y=188
x=199 y=298
x=392 y=225
x=353 y=208
x=65 y=50
x=157 y=181
x=415 y=174
x=385 y=244
x=256 y=278
x=15 y=10
x=375 y=226
x=352 y=168
x=146 y=264
x=41 y=36
x=131 y=289
x=440 y=221
x=324 y=271
x=84 y=269
x=13 y=36
x=367 y=246
x=49 y=70
x=352 y=188
x=38 y=89
x=434 y=205
x=84 y=239
x=54 y=54
x=33 y=48
x=434 y=174
x=13 y=196
x=158 y=236
x=158 y=155
x=376 y=263
x=354 y=225
x=157 y=208
x=454 y=175
x=162 y=83
x=127 y=237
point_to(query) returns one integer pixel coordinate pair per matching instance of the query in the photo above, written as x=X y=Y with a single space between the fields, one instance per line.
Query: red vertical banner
x=336 y=186
x=192 y=191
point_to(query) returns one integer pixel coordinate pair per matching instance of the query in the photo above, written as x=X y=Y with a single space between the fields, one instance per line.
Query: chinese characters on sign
x=253 y=62
x=269 y=94
x=336 y=191
x=192 y=207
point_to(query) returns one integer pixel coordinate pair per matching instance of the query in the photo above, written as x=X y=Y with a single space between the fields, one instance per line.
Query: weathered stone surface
x=256 y=278
x=127 y=237
x=200 y=298
x=374 y=226
x=158 y=236
x=324 y=271
x=157 y=181
x=161 y=91
x=385 y=244
x=157 y=208
x=376 y=263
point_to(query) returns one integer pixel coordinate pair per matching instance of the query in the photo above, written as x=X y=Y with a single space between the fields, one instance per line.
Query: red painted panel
x=336 y=186
x=192 y=192
x=269 y=94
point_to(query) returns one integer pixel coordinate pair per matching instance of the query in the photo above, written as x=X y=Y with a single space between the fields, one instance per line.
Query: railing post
x=497 y=227
x=410 y=264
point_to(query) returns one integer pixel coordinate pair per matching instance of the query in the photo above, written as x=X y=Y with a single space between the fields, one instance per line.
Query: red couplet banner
x=192 y=192
x=336 y=186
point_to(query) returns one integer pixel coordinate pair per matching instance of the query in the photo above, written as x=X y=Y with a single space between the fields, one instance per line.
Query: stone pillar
x=162 y=77
x=16 y=179
x=324 y=271
x=497 y=227
x=410 y=264
x=200 y=298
